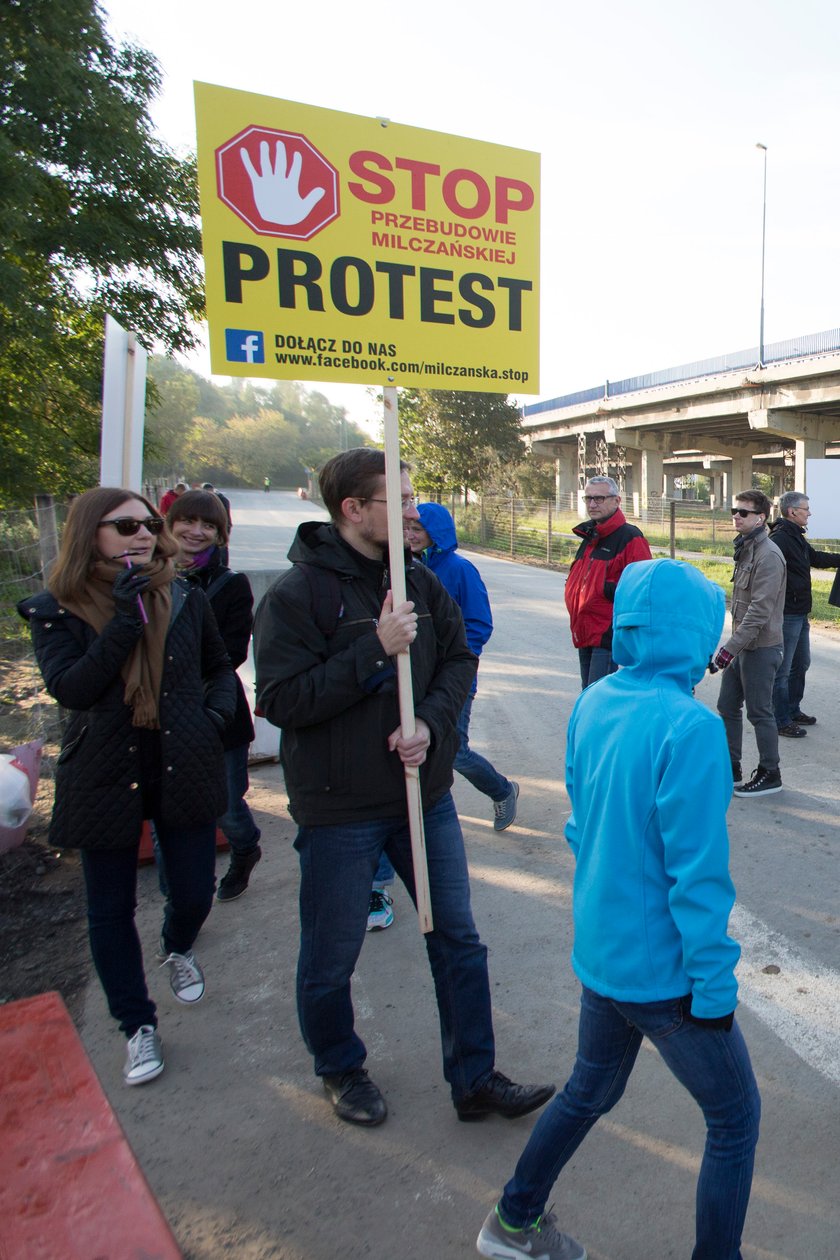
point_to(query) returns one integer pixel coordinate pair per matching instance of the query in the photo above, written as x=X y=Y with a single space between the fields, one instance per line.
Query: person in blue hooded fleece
x=648 y=776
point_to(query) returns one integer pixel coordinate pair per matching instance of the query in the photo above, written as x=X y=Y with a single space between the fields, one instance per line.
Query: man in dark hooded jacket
x=325 y=640
x=788 y=533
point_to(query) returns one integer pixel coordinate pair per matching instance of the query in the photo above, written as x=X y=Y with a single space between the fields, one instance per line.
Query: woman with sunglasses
x=134 y=655
x=198 y=522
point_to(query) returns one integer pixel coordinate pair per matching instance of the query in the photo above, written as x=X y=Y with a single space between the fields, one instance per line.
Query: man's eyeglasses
x=743 y=512
x=127 y=526
x=407 y=501
x=597 y=498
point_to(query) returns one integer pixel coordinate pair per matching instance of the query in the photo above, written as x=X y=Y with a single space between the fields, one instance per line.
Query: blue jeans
x=749 y=680
x=595 y=663
x=713 y=1065
x=337 y=864
x=111 y=884
x=476 y=769
x=789 y=687
x=237 y=822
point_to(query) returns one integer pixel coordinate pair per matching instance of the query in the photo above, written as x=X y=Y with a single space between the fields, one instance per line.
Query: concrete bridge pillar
x=651 y=480
x=565 y=478
x=741 y=475
x=806 y=448
x=633 y=461
x=717 y=486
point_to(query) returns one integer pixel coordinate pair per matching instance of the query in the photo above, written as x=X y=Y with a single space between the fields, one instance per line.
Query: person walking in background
x=788 y=533
x=609 y=545
x=325 y=642
x=198 y=523
x=135 y=657
x=753 y=652
x=647 y=774
x=266 y=484
x=170 y=496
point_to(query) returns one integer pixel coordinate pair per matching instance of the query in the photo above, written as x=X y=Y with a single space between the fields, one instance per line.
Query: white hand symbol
x=277 y=194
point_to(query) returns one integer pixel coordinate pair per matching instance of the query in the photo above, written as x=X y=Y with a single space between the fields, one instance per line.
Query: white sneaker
x=380 y=910
x=144 y=1057
x=186 y=979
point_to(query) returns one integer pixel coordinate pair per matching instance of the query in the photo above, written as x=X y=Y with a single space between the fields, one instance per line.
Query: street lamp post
x=763 y=148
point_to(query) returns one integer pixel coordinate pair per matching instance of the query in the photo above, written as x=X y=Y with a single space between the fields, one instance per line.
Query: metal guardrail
x=739 y=360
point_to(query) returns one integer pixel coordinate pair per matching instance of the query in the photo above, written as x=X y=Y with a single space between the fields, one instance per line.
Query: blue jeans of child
x=595 y=663
x=337 y=864
x=713 y=1065
x=237 y=822
x=189 y=855
x=789 y=687
x=476 y=769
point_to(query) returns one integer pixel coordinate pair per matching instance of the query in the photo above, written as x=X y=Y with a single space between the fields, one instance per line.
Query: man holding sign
x=326 y=639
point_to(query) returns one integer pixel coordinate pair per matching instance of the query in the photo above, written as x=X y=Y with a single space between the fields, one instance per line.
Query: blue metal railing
x=776 y=352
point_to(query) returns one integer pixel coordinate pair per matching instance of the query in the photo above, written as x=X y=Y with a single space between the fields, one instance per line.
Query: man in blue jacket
x=652 y=898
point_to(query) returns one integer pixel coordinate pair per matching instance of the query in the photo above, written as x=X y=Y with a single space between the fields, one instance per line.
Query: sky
x=646 y=116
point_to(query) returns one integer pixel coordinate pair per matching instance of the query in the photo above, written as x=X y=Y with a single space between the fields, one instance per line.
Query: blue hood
x=667 y=620
x=439 y=525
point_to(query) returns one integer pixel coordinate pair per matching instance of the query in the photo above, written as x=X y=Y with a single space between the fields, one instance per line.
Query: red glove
x=723 y=658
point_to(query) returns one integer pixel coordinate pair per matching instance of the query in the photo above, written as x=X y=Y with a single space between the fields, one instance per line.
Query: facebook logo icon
x=243 y=346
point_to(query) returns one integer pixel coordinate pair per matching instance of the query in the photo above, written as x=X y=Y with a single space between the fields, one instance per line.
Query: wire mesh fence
x=28 y=543
x=541 y=529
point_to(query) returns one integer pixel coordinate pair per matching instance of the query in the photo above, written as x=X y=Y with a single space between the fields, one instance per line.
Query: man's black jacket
x=801 y=558
x=334 y=694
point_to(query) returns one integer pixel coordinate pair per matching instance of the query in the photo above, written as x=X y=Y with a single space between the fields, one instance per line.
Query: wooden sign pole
x=396 y=546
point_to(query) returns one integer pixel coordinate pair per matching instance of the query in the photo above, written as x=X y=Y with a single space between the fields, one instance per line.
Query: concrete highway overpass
x=724 y=419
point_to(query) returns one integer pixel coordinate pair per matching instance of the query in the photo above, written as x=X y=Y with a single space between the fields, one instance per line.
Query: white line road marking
x=800 y=1003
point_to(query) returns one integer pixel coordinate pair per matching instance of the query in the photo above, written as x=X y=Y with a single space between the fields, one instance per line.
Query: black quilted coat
x=98 y=800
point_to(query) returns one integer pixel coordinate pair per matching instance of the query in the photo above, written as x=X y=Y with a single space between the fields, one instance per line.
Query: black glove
x=126 y=589
x=723 y=1022
x=218 y=721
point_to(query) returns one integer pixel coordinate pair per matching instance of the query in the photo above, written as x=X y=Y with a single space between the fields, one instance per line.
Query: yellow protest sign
x=342 y=248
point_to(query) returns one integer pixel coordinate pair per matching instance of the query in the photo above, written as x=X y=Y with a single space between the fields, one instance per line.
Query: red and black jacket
x=607 y=548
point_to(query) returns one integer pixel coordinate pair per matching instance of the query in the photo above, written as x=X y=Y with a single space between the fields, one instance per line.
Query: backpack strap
x=218 y=582
x=325 y=593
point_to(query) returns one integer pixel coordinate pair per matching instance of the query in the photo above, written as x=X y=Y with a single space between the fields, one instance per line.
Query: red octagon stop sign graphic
x=277 y=182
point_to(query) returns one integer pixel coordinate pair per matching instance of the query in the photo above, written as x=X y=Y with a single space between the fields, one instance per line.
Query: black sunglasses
x=744 y=512
x=127 y=526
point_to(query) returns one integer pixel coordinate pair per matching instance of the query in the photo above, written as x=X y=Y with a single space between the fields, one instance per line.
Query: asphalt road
x=247 y=1159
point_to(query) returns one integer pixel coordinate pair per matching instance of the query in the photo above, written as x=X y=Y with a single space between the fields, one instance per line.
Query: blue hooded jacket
x=649 y=778
x=460 y=577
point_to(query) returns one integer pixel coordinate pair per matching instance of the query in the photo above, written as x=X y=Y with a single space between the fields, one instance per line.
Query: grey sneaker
x=505 y=810
x=144 y=1056
x=541 y=1241
x=186 y=979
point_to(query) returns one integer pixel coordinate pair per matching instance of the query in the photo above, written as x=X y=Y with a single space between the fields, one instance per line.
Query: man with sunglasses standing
x=609 y=545
x=753 y=653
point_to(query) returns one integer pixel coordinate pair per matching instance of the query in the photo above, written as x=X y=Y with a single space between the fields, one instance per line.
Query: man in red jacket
x=609 y=545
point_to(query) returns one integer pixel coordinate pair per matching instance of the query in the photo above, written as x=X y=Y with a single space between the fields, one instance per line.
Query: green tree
x=98 y=215
x=457 y=438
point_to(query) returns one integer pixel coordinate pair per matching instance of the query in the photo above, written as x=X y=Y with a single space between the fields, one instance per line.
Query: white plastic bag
x=15 y=800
